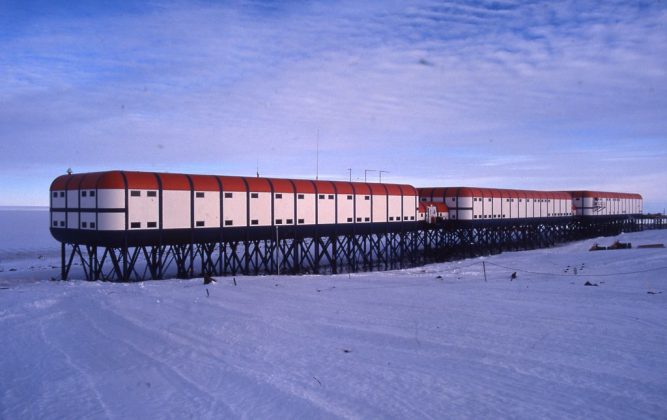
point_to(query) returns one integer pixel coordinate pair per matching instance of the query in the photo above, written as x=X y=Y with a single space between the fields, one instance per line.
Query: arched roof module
x=282 y=186
x=178 y=182
x=605 y=194
x=343 y=187
x=204 y=183
x=232 y=183
x=325 y=187
x=258 y=184
x=304 y=186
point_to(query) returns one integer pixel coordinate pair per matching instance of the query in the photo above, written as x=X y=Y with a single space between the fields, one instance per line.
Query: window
x=55 y=194
x=55 y=223
x=228 y=223
x=62 y=194
x=366 y=197
x=84 y=224
x=349 y=220
x=151 y=224
x=358 y=219
x=135 y=225
x=367 y=219
x=83 y=193
x=279 y=221
x=301 y=221
x=331 y=197
x=412 y=217
x=228 y=195
x=279 y=196
x=151 y=193
x=321 y=196
x=92 y=225
x=199 y=223
x=135 y=193
x=289 y=221
x=300 y=196
x=489 y=200
x=405 y=217
x=199 y=195
x=391 y=218
x=91 y=194
x=254 y=195
x=62 y=224
x=254 y=222
x=474 y=216
x=349 y=197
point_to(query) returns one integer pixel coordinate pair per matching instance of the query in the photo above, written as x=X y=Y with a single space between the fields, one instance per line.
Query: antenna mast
x=317 y=156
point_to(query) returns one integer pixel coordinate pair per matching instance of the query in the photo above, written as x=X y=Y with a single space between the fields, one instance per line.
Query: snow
x=431 y=342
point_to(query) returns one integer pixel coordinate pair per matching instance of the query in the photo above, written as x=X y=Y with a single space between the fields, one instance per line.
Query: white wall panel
x=175 y=212
x=110 y=199
x=111 y=221
x=207 y=209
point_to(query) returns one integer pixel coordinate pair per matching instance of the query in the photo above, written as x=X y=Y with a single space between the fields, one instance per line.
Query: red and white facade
x=466 y=203
x=599 y=203
x=122 y=201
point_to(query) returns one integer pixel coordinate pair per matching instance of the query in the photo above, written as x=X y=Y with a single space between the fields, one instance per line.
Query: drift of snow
x=431 y=342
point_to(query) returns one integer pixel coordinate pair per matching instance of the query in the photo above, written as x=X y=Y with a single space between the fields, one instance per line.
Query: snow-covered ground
x=432 y=342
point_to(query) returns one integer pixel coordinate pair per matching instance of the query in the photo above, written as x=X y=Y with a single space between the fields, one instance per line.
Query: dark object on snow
x=207 y=293
x=234 y=279
x=652 y=246
x=439 y=277
x=597 y=247
x=588 y=283
x=12 y=269
x=208 y=279
x=513 y=276
x=620 y=245
x=653 y=293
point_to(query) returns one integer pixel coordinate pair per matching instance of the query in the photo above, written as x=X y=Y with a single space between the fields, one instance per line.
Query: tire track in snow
x=166 y=365
x=82 y=372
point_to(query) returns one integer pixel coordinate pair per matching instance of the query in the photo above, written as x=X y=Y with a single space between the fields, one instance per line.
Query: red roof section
x=232 y=183
x=361 y=188
x=377 y=189
x=439 y=207
x=258 y=184
x=604 y=194
x=304 y=186
x=344 y=187
x=325 y=187
x=204 y=183
x=282 y=186
x=112 y=180
x=169 y=182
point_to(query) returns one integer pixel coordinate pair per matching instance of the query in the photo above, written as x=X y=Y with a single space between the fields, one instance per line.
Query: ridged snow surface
x=432 y=342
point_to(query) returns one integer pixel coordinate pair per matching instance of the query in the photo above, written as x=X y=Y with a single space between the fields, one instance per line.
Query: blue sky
x=516 y=94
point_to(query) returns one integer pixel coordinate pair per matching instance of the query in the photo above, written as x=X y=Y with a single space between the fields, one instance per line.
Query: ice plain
x=429 y=342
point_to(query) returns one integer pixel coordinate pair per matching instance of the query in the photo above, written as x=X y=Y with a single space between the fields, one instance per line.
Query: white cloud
x=496 y=93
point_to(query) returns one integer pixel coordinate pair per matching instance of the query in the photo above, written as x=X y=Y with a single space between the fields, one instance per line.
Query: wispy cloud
x=522 y=93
